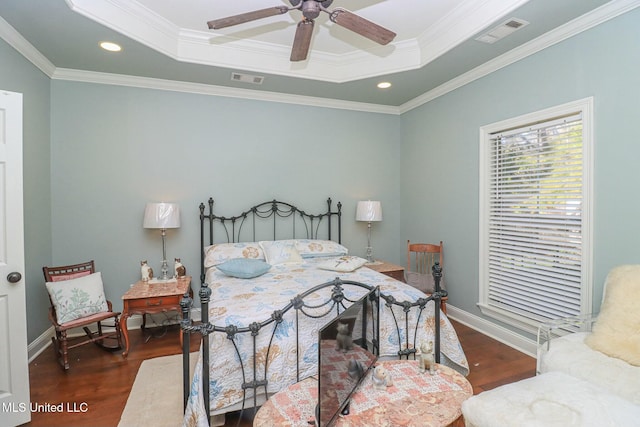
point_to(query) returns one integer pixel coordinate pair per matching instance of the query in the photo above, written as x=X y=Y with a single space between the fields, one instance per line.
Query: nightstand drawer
x=164 y=301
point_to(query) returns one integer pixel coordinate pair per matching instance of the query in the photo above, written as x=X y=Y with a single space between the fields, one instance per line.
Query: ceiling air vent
x=502 y=30
x=247 y=78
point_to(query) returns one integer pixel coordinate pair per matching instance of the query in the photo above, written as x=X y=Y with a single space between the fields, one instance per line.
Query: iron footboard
x=334 y=304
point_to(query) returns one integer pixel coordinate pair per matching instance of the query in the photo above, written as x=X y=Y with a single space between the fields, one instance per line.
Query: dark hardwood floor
x=103 y=380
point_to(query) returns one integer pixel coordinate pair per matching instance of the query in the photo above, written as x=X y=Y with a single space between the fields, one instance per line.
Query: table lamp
x=162 y=216
x=369 y=211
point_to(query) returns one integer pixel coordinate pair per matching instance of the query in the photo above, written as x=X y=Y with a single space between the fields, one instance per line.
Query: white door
x=14 y=365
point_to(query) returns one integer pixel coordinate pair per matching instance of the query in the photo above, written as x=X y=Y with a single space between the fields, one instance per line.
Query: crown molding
x=467 y=19
x=604 y=13
x=26 y=49
x=204 y=89
x=589 y=20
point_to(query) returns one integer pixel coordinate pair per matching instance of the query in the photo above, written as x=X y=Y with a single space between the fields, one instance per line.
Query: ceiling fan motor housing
x=325 y=3
x=310 y=9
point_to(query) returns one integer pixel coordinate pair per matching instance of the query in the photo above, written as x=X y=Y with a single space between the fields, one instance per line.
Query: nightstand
x=387 y=268
x=150 y=298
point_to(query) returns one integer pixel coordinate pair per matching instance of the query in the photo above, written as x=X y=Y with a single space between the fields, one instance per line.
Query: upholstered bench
x=553 y=399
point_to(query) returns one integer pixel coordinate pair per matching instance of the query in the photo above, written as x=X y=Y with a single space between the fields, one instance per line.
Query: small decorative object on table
x=146 y=271
x=426 y=359
x=380 y=378
x=179 y=269
x=344 y=341
x=355 y=369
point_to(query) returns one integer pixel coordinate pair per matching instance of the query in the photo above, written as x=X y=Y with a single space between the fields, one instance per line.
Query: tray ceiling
x=169 y=40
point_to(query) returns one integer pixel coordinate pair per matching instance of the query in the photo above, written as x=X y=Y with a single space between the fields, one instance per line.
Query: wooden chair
x=111 y=340
x=424 y=256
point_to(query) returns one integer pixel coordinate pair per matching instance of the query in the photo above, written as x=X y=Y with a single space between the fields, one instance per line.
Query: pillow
x=74 y=275
x=76 y=298
x=221 y=252
x=309 y=248
x=244 y=268
x=616 y=331
x=343 y=264
x=281 y=252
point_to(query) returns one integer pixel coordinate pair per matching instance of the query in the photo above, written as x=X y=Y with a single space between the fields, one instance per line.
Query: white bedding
x=243 y=301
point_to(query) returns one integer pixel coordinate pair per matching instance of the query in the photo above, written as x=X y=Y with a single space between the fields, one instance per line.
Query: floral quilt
x=243 y=301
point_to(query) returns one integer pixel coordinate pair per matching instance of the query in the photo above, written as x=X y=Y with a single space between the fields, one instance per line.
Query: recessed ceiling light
x=384 y=85
x=111 y=47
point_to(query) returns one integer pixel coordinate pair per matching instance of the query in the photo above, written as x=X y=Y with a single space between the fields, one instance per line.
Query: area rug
x=156 y=396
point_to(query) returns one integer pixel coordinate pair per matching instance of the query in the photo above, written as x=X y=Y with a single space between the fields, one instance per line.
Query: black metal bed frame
x=233 y=228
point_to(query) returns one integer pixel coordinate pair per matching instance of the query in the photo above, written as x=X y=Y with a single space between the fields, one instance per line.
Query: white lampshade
x=161 y=215
x=369 y=211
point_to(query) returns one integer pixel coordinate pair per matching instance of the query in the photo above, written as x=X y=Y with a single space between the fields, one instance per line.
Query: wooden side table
x=387 y=268
x=416 y=399
x=150 y=298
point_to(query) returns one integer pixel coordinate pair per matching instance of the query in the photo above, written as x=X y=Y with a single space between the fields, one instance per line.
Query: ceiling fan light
x=310 y=9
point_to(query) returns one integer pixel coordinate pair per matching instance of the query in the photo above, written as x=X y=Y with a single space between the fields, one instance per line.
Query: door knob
x=14 y=277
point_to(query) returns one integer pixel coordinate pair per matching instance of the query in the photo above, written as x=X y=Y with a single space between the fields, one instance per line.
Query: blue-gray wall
x=115 y=148
x=111 y=149
x=441 y=149
x=19 y=75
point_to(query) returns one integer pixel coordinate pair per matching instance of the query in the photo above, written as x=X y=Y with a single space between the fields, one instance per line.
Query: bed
x=260 y=334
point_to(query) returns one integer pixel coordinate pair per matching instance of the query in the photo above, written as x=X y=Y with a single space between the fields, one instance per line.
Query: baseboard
x=38 y=345
x=498 y=333
x=43 y=341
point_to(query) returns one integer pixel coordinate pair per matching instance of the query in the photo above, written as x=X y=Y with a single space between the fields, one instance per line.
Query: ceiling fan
x=310 y=10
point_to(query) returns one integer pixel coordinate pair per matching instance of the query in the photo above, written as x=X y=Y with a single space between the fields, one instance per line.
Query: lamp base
x=164 y=270
x=369 y=256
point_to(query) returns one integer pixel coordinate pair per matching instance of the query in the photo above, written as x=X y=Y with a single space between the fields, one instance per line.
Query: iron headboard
x=245 y=226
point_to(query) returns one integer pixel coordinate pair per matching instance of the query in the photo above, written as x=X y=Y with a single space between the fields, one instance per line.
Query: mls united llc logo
x=45 y=407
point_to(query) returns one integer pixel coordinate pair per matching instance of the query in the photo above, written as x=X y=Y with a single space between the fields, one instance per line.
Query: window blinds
x=535 y=219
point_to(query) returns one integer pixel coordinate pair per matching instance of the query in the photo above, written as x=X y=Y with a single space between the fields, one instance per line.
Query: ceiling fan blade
x=246 y=17
x=302 y=40
x=362 y=26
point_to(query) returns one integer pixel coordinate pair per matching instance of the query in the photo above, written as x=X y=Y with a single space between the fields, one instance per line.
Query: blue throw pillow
x=244 y=268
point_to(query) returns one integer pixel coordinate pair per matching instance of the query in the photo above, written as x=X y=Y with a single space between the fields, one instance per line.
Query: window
x=535 y=215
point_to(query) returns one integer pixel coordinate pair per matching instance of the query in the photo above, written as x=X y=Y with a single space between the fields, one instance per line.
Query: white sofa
x=588 y=369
